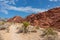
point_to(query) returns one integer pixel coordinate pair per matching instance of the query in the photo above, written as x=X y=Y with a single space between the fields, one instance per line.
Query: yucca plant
x=49 y=34
x=25 y=25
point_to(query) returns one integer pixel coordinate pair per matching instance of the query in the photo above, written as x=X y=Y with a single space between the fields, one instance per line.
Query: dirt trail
x=13 y=35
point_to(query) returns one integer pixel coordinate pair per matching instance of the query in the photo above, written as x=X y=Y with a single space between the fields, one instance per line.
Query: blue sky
x=10 y=8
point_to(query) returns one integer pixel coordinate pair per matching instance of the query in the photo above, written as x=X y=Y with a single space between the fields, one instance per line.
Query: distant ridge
x=50 y=18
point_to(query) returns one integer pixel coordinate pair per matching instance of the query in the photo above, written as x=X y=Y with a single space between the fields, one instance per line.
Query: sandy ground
x=12 y=35
x=21 y=36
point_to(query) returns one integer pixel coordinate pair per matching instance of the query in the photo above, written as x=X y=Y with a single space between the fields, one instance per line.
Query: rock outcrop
x=50 y=18
x=16 y=19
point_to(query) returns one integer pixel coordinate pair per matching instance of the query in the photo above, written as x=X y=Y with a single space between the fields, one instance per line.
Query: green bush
x=25 y=25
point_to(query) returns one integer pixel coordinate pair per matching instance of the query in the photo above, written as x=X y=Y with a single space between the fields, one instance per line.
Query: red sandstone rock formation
x=50 y=18
x=16 y=19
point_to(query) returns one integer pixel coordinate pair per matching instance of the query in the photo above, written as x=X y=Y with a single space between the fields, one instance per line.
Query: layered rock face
x=50 y=18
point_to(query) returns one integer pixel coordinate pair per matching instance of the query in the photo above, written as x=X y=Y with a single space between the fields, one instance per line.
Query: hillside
x=17 y=19
x=50 y=18
x=46 y=19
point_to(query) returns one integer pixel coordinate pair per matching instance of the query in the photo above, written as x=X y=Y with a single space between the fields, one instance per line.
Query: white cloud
x=4 y=7
x=54 y=0
x=9 y=1
x=4 y=11
x=4 y=4
x=26 y=9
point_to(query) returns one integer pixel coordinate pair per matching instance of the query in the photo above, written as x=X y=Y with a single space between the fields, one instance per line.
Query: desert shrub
x=2 y=27
x=2 y=23
x=25 y=25
x=23 y=28
x=20 y=30
x=49 y=34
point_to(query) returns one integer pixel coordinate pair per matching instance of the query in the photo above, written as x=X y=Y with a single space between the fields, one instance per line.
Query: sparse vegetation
x=2 y=23
x=2 y=26
x=49 y=34
x=20 y=30
x=25 y=25
x=37 y=27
